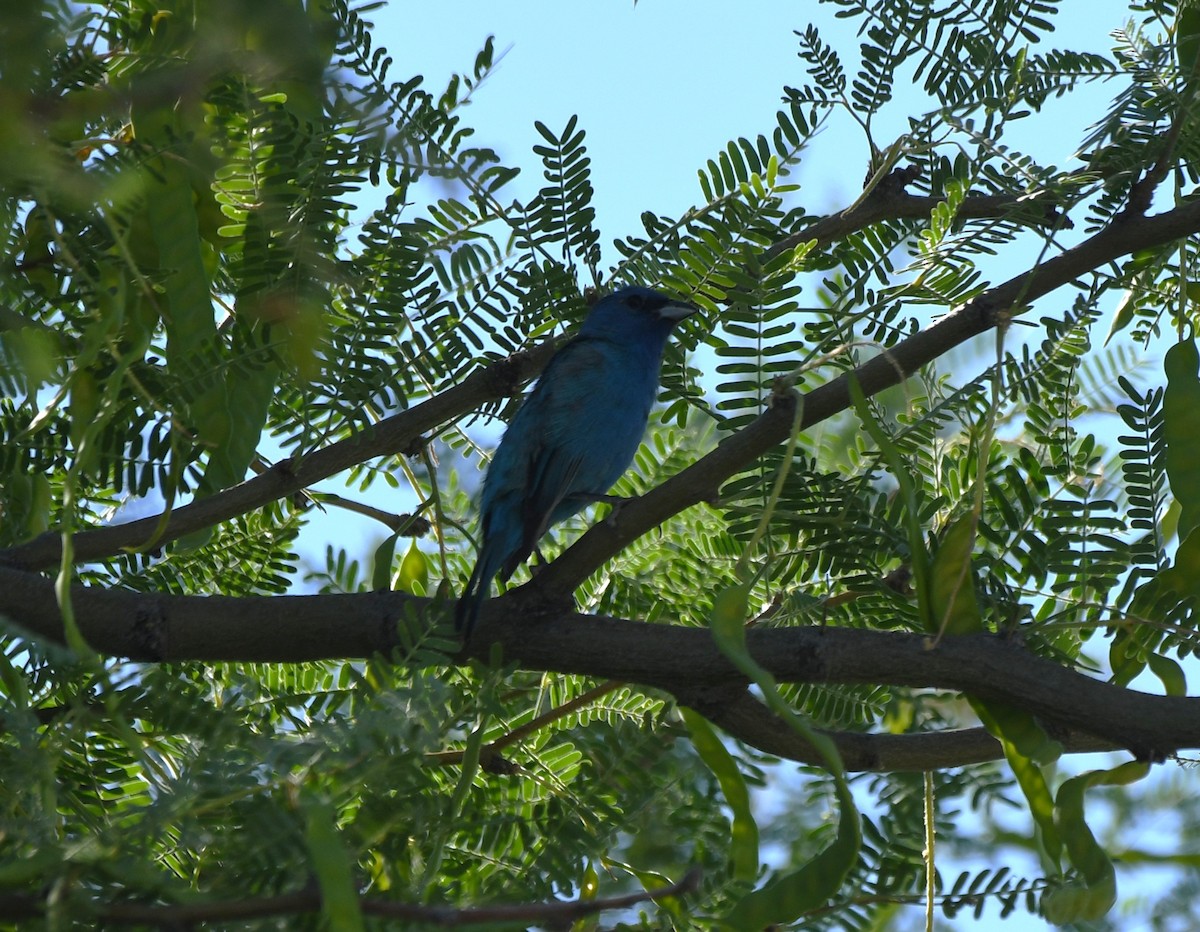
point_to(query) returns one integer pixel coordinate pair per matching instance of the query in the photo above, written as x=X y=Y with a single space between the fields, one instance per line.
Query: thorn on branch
x=506 y=377
x=899 y=579
x=498 y=765
x=899 y=179
x=1151 y=755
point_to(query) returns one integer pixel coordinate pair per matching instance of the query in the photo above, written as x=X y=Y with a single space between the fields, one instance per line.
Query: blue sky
x=663 y=85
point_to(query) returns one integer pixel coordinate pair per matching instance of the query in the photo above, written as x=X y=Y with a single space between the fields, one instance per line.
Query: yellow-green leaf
x=413 y=575
x=1123 y=315
x=952 y=580
x=1024 y=744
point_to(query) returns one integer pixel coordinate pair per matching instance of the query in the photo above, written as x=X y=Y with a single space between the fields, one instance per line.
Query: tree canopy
x=896 y=630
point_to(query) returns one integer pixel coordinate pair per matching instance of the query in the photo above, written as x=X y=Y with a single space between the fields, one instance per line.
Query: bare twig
x=586 y=698
x=405 y=524
x=178 y=915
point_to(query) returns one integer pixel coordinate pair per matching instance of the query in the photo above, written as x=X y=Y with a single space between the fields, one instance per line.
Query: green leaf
x=743 y=848
x=1182 y=577
x=1170 y=672
x=385 y=556
x=1187 y=41
x=192 y=345
x=249 y=388
x=339 y=897
x=918 y=553
x=1091 y=897
x=1181 y=414
x=788 y=896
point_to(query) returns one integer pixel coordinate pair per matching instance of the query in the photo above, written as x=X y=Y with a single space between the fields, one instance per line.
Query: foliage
x=192 y=288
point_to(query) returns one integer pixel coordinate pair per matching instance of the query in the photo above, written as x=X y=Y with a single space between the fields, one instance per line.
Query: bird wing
x=554 y=414
x=552 y=478
x=581 y=426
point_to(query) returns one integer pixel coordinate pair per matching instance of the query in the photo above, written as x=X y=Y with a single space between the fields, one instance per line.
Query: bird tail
x=476 y=592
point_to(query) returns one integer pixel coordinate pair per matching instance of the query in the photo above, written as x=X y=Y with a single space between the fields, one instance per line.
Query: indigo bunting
x=575 y=434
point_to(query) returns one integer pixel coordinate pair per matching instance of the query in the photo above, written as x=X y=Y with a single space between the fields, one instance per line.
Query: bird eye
x=635 y=301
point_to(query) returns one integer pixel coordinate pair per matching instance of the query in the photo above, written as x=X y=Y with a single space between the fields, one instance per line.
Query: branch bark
x=890 y=201
x=1085 y=713
x=752 y=723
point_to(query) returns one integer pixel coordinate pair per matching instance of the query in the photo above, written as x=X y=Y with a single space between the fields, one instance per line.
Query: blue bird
x=575 y=435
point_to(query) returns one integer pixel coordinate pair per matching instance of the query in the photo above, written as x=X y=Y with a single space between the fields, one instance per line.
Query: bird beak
x=677 y=310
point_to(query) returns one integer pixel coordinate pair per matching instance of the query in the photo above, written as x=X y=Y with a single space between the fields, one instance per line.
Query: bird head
x=635 y=313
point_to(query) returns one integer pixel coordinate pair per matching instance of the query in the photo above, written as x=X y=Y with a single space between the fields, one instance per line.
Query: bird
x=575 y=434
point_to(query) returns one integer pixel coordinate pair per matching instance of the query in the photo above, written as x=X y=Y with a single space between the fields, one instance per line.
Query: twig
x=24 y=906
x=446 y=758
x=408 y=525
x=1141 y=193
x=399 y=432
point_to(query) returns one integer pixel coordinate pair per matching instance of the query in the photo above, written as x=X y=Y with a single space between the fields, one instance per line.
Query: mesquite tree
x=932 y=603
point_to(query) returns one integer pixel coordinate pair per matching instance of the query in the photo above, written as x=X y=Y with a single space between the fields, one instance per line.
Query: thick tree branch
x=683 y=661
x=701 y=481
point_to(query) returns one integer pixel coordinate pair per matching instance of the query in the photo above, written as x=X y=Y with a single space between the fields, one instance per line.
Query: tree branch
x=400 y=431
x=178 y=915
x=889 y=201
x=744 y=717
x=391 y=435
x=1087 y=713
x=701 y=481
